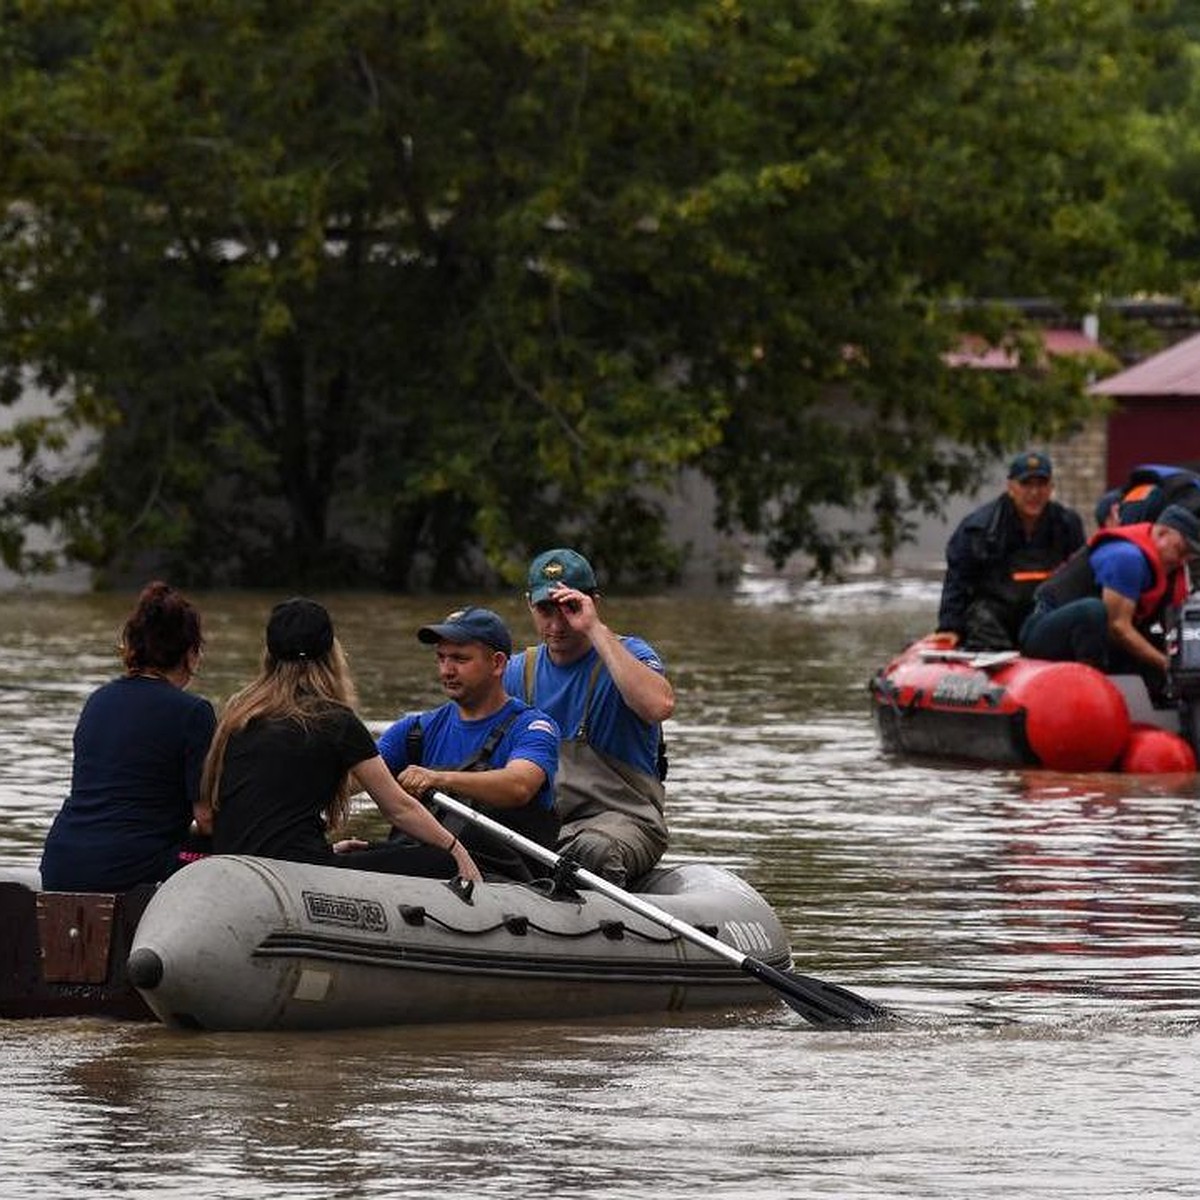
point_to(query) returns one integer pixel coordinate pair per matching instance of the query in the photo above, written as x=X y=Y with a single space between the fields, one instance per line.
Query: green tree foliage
x=396 y=290
x=1171 y=127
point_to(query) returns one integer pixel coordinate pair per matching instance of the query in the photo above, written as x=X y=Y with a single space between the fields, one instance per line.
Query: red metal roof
x=1174 y=372
x=976 y=353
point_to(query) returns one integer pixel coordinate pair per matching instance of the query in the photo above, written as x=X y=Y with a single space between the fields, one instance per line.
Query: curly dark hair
x=161 y=631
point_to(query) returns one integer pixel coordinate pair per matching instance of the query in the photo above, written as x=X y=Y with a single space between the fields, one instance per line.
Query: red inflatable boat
x=1006 y=710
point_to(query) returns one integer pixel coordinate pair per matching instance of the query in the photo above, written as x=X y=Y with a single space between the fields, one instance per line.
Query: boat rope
x=520 y=925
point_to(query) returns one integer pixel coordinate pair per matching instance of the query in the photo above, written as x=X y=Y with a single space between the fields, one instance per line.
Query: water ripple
x=1039 y=933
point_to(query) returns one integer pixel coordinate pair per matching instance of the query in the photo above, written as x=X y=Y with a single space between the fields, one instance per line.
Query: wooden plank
x=75 y=931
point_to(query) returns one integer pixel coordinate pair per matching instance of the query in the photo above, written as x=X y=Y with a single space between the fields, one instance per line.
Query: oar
x=823 y=1004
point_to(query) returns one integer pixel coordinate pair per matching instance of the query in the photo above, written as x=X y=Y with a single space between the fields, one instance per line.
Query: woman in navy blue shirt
x=139 y=750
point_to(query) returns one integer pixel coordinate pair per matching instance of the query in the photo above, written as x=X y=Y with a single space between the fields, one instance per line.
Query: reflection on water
x=729 y=1109
x=1039 y=929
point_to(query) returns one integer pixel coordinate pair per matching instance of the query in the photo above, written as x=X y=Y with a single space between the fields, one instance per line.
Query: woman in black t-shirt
x=289 y=751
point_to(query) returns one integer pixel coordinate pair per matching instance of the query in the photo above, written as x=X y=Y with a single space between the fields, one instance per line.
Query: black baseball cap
x=299 y=628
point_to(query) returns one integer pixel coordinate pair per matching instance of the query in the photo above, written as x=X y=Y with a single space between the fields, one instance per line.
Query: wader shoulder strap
x=414 y=743
x=530 y=670
x=531 y=653
x=479 y=760
x=581 y=733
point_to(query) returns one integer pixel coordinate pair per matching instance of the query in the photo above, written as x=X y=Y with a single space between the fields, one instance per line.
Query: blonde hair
x=300 y=690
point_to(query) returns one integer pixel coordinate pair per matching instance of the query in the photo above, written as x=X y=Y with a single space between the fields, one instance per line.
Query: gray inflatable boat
x=234 y=942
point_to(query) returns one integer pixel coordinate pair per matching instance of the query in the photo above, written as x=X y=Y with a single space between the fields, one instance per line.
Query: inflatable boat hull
x=1006 y=710
x=235 y=942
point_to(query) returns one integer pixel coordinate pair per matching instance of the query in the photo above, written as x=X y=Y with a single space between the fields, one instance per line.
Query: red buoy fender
x=1075 y=716
x=1154 y=751
x=1064 y=716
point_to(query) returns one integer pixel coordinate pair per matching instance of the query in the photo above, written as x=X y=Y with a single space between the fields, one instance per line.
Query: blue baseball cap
x=559 y=568
x=1031 y=463
x=469 y=625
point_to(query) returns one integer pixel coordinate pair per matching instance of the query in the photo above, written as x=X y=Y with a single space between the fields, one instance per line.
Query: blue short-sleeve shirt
x=1122 y=568
x=448 y=741
x=613 y=728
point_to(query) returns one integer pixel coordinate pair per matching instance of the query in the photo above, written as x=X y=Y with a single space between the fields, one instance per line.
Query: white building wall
x=34 y=403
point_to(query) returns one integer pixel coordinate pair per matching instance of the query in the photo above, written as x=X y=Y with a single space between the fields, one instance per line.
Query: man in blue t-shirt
x=483 y=747
x=609 y=695
x=1103 y=605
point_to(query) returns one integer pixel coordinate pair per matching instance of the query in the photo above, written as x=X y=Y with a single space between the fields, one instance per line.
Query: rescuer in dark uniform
x=1001 y=553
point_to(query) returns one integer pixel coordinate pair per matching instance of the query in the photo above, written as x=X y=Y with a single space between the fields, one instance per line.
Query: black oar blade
x=823 y=1004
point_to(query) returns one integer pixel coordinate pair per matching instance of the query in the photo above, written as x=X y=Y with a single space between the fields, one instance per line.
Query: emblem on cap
x=553 y=570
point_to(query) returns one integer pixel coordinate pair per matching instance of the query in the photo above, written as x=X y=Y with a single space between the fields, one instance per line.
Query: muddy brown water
x=1040 y=932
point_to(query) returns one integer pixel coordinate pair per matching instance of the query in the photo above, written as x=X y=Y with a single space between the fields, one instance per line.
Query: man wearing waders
x=609 y=696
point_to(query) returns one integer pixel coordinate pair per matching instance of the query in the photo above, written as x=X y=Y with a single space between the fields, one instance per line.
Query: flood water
x=1038 y=932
